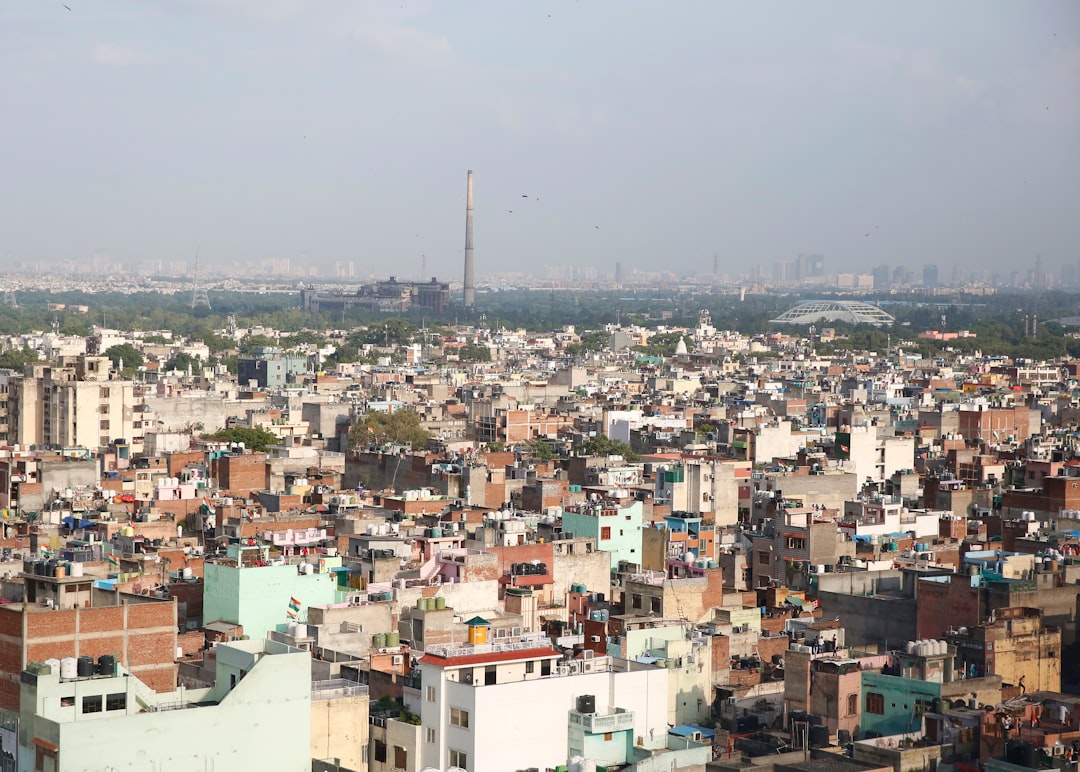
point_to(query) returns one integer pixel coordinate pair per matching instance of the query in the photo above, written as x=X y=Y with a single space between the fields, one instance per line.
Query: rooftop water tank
x=69 y=667
x=54 y=665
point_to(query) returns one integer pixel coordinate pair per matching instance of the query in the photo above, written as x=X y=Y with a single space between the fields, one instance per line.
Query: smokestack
x=470 y=291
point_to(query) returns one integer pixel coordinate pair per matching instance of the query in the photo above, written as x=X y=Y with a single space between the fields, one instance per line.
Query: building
x=257 y=715
x=614 y=524
x=245 y=589
x=270 y=368
x=67 y=617
x=505 y=704
x=1016 y=645
x=75 y=403
x=390 y=295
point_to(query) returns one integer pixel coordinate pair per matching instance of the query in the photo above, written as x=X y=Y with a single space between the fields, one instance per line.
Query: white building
x=488 y=707
x=257 y=715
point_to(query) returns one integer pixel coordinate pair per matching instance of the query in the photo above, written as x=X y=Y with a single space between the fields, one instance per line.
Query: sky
x=651 y=134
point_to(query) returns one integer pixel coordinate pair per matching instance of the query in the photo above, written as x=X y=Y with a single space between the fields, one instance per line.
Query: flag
x=208 y=505
x=47 y=553
x=294 y=604
x=113 y=560
x=291 y=614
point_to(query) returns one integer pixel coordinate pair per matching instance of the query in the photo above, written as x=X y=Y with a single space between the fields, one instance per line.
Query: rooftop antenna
x=198 y=292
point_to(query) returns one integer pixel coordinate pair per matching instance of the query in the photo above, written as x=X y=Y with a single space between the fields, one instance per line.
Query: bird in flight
x=67 y=6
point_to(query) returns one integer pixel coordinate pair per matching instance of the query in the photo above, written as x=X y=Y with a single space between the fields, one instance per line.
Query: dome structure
x=850 y=311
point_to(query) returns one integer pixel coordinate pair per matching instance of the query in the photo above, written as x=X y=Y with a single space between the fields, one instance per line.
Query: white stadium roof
x=851 y=311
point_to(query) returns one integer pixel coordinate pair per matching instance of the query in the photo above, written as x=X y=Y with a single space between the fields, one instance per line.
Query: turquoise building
x=245 y=590
x=615 y=524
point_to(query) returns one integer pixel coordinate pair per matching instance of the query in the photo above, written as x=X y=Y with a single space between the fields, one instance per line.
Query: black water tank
x=86 y=667
x=586 y=703
x=819 y=736
x=843 y=736
x=106 y=664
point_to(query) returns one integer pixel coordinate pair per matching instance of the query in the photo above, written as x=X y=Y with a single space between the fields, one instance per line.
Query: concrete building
x=75 y=403
x=504 y=704
x=245 y=589
x=257 y=715
x=270 y=369
x=1016 y=645
x=614 y=524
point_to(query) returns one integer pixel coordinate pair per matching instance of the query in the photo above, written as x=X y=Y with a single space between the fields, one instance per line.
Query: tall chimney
x=470 y=291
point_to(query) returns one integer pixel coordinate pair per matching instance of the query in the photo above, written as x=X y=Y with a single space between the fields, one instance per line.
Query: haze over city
x=650 y=135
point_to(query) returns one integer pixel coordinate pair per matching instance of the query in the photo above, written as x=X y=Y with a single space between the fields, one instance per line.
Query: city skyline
x=601 y=135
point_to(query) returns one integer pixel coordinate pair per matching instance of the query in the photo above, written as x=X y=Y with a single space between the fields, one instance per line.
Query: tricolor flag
x=46 y=553
x=113 y=560
x=291 y=614
x=208 y=505
x=294 y=604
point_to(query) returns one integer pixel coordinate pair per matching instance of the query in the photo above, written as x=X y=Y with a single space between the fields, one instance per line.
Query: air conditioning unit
x=397 y=659
x=587 y=667
x=732 y=700
x=564 y=670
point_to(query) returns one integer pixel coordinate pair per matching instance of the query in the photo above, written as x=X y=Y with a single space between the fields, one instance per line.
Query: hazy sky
x=651 y=133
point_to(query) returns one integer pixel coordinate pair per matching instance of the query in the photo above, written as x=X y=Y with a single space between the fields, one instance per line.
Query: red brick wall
x=145 y=643
x=943 y=605
x=240 y=475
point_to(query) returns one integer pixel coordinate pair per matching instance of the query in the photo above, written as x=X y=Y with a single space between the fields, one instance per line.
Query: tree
x=474 y=353
x=605 y=446
x=541 y=450
x=17 y=359
x=253 y=439
x=132 y=360
x=181 y=361
x=376 y=428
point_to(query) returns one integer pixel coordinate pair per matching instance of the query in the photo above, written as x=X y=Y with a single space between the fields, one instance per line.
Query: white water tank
x=179 y=652
x=69 y=667
x=290 y=629
x=188 y=574
x=76 y=569
x=54 y=665
x=910 y=648
x=308 y=569
x=331 y=552
x=301 y=631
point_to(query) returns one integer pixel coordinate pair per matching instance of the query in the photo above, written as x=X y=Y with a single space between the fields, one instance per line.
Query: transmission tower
x=198 y=292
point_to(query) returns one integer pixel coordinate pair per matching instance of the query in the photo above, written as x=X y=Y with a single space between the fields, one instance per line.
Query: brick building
x=140 y=632
x=241 y=474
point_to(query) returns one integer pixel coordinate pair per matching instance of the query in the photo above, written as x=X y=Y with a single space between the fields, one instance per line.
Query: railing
x=337 y=689
x=609 y=722
x=518 y=643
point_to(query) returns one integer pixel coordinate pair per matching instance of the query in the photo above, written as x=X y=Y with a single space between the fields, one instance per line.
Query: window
x=605 y=533
x=91 y=704
x=431 y=694
x=116 y=701
x=852 y=704
x=635 y=600
x=654 y=605
x=875 y=703
x=103 y=393
x=104 y=424
x=796 y=543
x=431 y=735
x=545 y=667
x=67 y=702
x=380 y=751
x=530 y=666
x=459 y=759
x=763 y=559
x=459 y=717
x=490 y=673
x=401 y=757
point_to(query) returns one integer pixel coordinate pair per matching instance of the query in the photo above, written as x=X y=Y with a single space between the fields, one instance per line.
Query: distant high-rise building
x=618 y=273
x=930 y=275
x=812 y=266
x=1068 y=275
x=881 y=277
